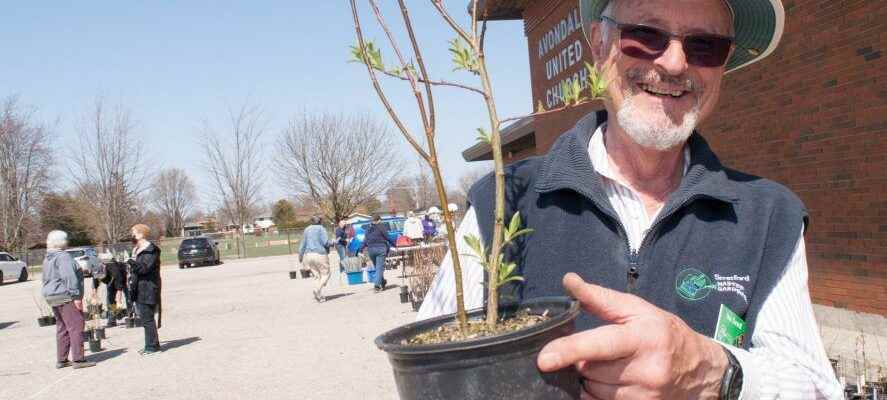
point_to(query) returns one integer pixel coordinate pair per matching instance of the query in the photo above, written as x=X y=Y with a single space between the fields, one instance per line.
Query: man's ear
x=595 y=40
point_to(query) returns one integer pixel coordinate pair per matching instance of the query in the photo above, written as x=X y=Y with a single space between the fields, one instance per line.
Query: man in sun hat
x=692 y=276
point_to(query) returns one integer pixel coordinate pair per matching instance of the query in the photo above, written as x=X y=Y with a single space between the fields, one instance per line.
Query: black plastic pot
x=493 y=368
x=95 y=345
x=404 y=294
x=100 y=333
x=416 y=304
x=130 y=322
x=94 y=309
x=306 y=274
x=87 y=335
x=294 y=274
x=46 y=321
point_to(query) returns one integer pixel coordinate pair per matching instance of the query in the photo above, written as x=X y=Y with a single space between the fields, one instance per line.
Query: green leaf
x=477 y=247
x=373 y=56
x=597 y=84
x=510 y=279
x=463 y=56
x=483 y=136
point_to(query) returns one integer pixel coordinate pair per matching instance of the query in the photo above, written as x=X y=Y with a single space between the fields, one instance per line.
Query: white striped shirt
x=787 y=359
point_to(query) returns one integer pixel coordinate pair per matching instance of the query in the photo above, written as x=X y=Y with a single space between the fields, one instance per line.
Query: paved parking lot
x=241 y=330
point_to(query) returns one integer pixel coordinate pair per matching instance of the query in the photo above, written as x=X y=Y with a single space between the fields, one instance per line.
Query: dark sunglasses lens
x=707 y=51
x=643 y=42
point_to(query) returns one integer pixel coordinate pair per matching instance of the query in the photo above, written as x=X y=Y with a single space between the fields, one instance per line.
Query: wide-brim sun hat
x=758 y=26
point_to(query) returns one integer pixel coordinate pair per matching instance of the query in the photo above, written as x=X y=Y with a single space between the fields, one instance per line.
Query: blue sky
x=174 y=64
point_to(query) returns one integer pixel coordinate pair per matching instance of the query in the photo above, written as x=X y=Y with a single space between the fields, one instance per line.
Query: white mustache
x=652 y=77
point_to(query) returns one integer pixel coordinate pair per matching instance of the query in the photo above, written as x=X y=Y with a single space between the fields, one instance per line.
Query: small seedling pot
x=491 y=368
x=94 y=309
x=87 y=335
x=306 y=274
x=416 y=304
x=404 y=294
x=100 y=333
x=294 y=274
x=95 y=345
x=130 y=322
x=46 y=321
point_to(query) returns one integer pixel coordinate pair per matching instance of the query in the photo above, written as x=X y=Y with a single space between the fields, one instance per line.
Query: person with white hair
x=63 y=291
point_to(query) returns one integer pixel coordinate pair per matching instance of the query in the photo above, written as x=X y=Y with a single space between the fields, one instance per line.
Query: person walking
x=63 y=291
x=145 y=267
x=314 y=254
x=342 y=242
x=377 y=243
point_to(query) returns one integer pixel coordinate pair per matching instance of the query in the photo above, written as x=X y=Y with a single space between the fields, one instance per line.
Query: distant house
x=192 y=229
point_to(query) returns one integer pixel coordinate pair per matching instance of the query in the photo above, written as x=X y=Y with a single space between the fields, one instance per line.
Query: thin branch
x=438 y=83
x=384 y=99
x=438 y=4
x=403 y=64
x=422 y=70
x=551 y=111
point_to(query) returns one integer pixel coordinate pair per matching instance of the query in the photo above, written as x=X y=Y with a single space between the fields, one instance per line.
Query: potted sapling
x=488 y=353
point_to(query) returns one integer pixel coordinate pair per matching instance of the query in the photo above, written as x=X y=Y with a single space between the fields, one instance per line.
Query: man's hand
x=78 y=304
x=646 y=353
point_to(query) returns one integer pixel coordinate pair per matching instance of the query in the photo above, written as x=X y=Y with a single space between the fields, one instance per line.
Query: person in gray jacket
x=63 y=291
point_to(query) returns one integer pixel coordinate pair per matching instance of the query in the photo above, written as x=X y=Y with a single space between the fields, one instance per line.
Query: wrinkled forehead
x=684 y=16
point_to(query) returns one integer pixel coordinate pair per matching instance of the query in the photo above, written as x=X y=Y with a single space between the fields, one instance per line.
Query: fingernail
x=548 y=361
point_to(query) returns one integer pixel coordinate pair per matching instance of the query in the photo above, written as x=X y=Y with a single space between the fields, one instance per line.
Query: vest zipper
x=633 y=271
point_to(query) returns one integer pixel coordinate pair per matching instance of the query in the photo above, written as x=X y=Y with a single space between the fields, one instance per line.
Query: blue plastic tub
x=355 y=278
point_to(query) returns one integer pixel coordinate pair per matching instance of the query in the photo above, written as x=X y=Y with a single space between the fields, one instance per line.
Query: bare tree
x=110 y=168
x=234 y=162
x=25 y=165
x=339 y=162
x=173 y=196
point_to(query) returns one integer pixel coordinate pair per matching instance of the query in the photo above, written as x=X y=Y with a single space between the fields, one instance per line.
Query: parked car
x=87 y=259
x=199 y=250
x=394 y=225
x=12 y=268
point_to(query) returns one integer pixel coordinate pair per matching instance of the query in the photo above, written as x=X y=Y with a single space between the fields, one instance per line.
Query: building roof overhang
x=510 y=135
x=499 y=10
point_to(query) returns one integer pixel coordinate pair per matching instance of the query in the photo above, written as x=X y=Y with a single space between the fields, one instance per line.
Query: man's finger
x=603 y=391
x=607 y=343
x=607 y=304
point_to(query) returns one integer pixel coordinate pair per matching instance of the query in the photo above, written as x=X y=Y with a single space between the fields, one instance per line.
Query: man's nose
x=673 y=61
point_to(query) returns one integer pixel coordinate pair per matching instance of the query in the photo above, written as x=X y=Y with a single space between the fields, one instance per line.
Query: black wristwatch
x=731 y=383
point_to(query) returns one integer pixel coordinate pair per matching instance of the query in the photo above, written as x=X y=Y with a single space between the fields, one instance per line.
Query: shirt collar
x=600 y=161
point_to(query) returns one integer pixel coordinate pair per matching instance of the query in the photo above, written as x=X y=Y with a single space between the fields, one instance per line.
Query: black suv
x=199 y=250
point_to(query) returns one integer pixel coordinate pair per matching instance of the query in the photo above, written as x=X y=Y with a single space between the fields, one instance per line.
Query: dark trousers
x=111 y=299
x=146 y=317
x=377 y=256
x=68 y=332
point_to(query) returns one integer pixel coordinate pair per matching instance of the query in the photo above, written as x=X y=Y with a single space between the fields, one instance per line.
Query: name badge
x=730 y=329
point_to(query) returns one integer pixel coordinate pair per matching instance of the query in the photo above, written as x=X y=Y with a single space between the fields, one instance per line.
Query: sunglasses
x=649 y=43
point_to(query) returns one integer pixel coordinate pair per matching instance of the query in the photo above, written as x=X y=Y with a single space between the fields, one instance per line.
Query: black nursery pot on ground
x=404 y=294
x=95 y=345
x=87 y=335
x=306 y=273
x=100 y=333
x=294 y=274
x=491 y=368
x=46 y=321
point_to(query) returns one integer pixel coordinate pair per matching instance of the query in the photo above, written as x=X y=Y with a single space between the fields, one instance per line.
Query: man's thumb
x=607 y=304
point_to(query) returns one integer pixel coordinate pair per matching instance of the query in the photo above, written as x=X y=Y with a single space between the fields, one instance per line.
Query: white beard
x=654 y=129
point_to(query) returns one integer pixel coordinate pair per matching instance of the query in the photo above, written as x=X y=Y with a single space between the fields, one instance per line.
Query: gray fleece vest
x=723 y=237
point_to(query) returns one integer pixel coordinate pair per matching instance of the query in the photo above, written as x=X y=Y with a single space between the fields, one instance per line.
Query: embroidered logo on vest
x=694 y=285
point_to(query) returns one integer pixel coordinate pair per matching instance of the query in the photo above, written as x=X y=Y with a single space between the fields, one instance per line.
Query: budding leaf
x=373 y=56
x=463 y=57
x=483 y=136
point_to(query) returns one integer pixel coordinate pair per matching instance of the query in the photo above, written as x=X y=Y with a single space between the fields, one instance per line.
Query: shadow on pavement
x=338 y=296
x=105 y=355
x=4 y=325
x=172 y=344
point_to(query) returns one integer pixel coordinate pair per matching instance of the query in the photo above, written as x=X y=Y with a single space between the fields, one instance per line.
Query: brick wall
x=813 y=116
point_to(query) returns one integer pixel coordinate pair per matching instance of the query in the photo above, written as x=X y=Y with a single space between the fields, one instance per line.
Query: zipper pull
x=633 y=272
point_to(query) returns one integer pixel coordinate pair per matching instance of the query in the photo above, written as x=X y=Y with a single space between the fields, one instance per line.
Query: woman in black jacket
x=145 y=285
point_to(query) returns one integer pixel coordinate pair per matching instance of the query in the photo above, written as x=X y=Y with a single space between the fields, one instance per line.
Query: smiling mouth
x=662 y=92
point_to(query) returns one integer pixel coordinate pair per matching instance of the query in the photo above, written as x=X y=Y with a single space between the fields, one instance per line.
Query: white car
x=87 y=259
x=11 y=268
